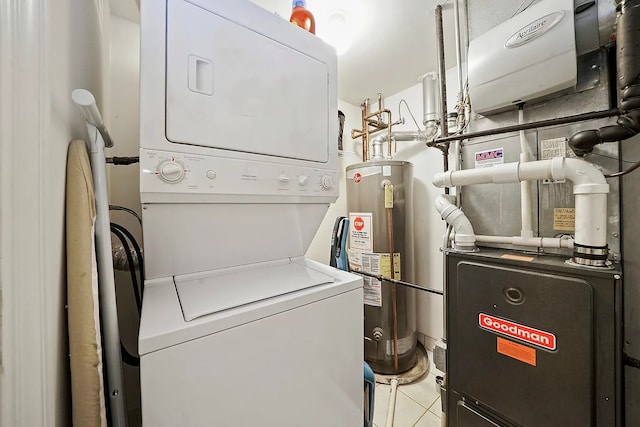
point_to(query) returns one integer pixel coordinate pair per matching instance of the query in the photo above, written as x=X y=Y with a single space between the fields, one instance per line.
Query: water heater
x=529 y=56
x=380 y=204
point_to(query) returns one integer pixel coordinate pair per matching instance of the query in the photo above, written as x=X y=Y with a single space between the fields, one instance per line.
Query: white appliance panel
x=163 y=325
x=233 y=88
x=302 y=367
x=184 y=238
x=163 y=172
x=201 y=294
x=529 y=56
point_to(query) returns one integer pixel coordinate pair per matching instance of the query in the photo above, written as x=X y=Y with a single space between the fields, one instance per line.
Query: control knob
x=327 y=183
x=170 y=171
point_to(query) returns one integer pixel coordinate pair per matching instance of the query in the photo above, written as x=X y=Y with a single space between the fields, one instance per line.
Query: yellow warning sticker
x=388 y=196
x=385 y=266
x=517 y=351
x=564 y=219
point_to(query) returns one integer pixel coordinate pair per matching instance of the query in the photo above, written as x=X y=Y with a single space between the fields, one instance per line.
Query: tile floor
x=417 y=404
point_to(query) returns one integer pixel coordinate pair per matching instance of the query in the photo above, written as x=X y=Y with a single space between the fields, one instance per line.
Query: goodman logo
x=514 y=330
x=534 y=30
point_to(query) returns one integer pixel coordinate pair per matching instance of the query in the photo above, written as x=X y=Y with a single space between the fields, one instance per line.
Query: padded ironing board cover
x=85 y=344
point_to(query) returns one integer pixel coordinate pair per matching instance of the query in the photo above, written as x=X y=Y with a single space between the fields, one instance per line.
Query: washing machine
x=238 y=165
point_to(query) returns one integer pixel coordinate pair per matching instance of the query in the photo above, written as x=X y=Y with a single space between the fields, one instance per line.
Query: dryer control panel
x=169 y=172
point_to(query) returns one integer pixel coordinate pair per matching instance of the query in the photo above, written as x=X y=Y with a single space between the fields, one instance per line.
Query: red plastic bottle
x=301 y=16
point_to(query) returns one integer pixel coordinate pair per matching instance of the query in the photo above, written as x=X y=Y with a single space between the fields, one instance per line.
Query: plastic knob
x=283 y=179
x=327 y=182
x=171 y=172
x=303 y=180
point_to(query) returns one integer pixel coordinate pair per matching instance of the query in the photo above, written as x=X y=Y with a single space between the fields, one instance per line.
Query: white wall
x=54 y=48
x=124 y=182
x=320 y=247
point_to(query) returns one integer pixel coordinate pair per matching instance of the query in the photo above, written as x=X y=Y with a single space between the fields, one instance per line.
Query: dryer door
x=241 y=88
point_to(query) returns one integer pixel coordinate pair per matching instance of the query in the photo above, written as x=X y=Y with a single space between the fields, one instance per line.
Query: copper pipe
x=394 y=301
x=355 y=134
x=380 y=125
x=363 y=131
x=374 y=120
x=389 y=156
x=377 y=113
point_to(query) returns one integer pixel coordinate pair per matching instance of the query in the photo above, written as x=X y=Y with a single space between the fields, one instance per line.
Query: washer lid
x=201 y=294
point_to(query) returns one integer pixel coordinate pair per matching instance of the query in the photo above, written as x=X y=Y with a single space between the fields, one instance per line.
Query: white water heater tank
x=529 y=56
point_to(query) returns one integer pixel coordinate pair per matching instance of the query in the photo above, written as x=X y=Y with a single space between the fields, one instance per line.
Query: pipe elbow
x=586 y=178
x=582 y=143
x=465 y=238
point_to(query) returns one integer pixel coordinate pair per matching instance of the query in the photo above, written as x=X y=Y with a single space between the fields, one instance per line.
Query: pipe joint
x=505 y=173
x=443 y=179
x=557 y=168
x=591 y=189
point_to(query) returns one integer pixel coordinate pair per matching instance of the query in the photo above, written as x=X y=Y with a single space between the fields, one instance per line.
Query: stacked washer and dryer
x=238 y=166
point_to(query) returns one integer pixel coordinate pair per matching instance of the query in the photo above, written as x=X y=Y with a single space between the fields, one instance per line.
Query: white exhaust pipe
x=589 y=187
x=464 y=238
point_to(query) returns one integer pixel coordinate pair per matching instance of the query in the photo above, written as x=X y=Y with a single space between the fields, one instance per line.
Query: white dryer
x=238 y=156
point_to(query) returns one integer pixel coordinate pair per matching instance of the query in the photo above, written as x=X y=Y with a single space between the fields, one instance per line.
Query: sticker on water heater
x=372 y=287
x=372 y=290
x=520 y=332
x=385 y=266
x=361 y=232
x=488 y=158
x=355 y=260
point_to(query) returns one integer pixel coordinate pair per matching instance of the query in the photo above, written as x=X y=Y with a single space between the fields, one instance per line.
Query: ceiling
x=395 y=46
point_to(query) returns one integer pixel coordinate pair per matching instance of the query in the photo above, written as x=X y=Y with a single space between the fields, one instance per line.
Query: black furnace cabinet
x=532 y=341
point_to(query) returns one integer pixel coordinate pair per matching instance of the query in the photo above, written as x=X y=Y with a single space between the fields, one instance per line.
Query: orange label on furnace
x=517 y=351
x=518 y=257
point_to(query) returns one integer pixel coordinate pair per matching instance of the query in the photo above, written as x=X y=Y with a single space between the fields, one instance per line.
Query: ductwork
x=589 y=188
x=430 y=103
x=377 y=150
x=430 y=119
x=628 y=59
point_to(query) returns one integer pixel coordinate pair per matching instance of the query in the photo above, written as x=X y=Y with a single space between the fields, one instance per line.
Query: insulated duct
x=628 y=58
x=430 y=105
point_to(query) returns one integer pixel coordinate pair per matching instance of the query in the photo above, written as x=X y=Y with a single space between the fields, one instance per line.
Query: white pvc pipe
x=86 y=103
x=536 y=242
x=591 y=230
x=464 y=238
x=391 y=409
x=590 y=189
x=526 y=209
